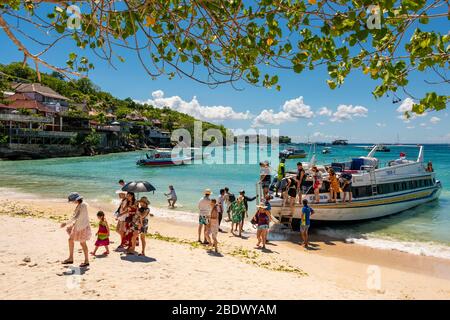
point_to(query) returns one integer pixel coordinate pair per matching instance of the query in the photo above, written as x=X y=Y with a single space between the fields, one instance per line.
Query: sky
x=304 y=109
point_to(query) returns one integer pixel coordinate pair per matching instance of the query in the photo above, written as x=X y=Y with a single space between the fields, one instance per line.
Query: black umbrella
x=138 y=186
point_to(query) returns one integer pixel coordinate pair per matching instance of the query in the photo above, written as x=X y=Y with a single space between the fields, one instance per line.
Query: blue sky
x=360 y=117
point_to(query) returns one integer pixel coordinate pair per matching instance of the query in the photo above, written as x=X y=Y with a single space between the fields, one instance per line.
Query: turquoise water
x=96 y=178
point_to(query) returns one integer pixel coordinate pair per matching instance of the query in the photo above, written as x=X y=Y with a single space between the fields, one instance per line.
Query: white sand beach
x=33 y=247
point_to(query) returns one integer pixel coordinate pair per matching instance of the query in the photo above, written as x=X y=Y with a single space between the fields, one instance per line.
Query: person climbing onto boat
x=307 y=211
x=204 y=208
x=301 y=177
x=291 y=192
x=237 y=214
x=429 y=167
x=317 y=183
x=265 y=174
x=171 y=197
x=280 y=175
x=335 y=188
x=346 y=179
x=78 y=229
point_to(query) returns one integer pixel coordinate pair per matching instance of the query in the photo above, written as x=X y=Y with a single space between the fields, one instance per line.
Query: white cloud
x=195 y=109
x=320 y=135
x=410 y=127
x=406 y=106
x=423 y=124
x=381 y=124
x=310 y=124
x=324 y=111
x=435 y=120
x=292 y=110
x=347 y=112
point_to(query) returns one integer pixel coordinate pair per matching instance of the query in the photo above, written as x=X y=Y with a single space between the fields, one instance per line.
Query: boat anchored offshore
x=163 y=157
x=377 y=191
x=291 y=153
x=380 y=148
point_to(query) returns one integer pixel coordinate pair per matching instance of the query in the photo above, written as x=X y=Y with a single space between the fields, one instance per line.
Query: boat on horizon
x=377 y=190
x=380 y=148
x=340 y=142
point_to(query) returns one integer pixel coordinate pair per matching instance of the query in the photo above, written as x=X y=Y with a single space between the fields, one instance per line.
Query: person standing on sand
x=229 y=199
x=128 y=225
x=204 y=208
x=213 y=227
x=262 y=219
x=120 y=215
x=78 y=228
x=172 y=197
x=246 y=200
x=140 y=226
x=220 y=206
x=102 y=234
x=237 y=214
x=307 y=211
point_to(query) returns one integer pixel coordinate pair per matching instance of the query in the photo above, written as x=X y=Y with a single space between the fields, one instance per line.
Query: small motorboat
x=326 y=150
x=380 y=148
x=291 y=153
x=163 y=157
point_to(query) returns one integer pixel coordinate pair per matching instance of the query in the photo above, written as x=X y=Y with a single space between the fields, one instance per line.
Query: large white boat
x=377 y=190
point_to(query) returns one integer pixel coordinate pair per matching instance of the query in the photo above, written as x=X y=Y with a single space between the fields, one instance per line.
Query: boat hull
x=365 y=209
x=296 y=156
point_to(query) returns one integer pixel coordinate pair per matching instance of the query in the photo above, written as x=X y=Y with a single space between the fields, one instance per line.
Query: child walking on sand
x=102 y=234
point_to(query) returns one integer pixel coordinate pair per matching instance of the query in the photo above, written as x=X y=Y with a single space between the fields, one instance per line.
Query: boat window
x=396 y=187
x=404 y=186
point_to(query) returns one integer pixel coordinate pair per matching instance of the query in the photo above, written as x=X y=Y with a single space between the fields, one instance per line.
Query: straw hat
x=207 y=191
x=144 y=200
x=262 y=205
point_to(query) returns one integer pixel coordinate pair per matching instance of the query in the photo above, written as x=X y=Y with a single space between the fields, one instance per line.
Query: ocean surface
x=423 y=230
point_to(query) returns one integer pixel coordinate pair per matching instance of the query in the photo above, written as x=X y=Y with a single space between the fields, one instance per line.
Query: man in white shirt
x=204 y=207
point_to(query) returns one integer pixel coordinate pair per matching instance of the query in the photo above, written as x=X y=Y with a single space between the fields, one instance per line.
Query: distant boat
x=340 y=142
x=326 y=150
x=291 y=153
x=163 y=157
x=380 y=148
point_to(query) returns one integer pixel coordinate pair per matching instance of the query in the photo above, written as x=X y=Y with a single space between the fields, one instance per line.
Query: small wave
x=431 y=249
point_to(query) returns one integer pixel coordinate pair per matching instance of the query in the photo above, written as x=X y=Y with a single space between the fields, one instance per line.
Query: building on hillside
x=44 y=95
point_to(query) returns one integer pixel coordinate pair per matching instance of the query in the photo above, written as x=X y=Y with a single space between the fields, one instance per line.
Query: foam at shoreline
x=412 y=247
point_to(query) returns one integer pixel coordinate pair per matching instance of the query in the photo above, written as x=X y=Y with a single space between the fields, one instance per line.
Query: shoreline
x=331 y=262
x=179 y=215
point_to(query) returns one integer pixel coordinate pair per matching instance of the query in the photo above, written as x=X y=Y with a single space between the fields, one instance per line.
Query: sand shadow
x=265 y=250
x=212 y=253
x=136 y=258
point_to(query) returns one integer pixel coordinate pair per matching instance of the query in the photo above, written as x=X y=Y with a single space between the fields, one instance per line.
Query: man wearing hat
x=204 y=207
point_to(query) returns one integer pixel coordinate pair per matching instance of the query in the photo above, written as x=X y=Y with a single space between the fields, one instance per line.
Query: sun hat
x=145 y=200
x=262 y=205
x=74 y=196
x=242 y=191
x=207 y=191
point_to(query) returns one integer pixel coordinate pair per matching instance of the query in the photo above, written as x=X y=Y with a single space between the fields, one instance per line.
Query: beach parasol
x=138 y=186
